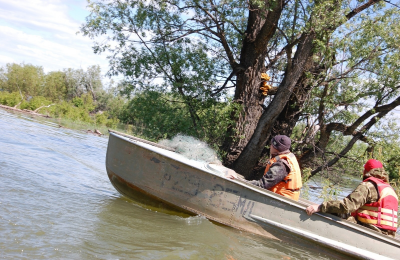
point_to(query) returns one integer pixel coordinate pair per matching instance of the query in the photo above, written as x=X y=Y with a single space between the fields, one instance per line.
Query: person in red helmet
x=372 y=204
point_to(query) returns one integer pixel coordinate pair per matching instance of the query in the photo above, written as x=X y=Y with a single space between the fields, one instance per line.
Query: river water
x=57 y=203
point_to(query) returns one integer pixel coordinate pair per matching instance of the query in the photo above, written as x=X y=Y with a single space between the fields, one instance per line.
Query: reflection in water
x=57 y=203
x=127 y=230
x=145 y=234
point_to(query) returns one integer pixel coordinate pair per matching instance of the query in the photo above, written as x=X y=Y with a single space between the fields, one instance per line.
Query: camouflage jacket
x=364 y=193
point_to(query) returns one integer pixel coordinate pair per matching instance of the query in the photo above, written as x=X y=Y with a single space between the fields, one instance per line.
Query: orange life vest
x=291 y=184
x=383 y=213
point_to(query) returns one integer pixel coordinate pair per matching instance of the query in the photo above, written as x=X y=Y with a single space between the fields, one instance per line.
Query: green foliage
x=10 y=99
x=105 y=119
x=77 y=101
x=55 y=87
x=85 y=102
x=77 y=110
x=30 y=81
x=34 y=103
x=155 y=117
x=386 y=148
x=67 y=94
x=191 y=68
x=101 y=119
x=329 y=191
x=159 y=116
x=111 y=101
x=305 y=175
x=79 y=82
x=25 y=79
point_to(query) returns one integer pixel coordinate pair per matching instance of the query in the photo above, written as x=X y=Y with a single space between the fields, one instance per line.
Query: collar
x=283 y=152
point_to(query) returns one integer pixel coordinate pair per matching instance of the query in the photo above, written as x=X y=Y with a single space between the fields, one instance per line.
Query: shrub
x=10 y=99
x=35 y=103
x=101 y=119
x=77 y=101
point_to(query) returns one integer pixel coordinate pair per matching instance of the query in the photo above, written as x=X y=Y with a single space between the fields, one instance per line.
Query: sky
x=44 y=33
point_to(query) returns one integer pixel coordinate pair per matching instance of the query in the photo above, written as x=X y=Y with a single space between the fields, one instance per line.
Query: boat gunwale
x=300 y=205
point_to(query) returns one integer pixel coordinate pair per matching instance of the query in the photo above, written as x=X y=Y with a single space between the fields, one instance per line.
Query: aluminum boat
x=136 y=166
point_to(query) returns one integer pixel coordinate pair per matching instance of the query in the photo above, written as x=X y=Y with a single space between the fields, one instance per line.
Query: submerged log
x=26 y=111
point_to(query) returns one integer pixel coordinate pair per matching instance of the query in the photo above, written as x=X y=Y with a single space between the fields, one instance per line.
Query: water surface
x=57 y=203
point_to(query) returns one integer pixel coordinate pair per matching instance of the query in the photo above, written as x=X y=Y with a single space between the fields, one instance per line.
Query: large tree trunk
x=275 y=119
x=261 y=28
x=295 y=69
x=286 y=120
x=250 y=100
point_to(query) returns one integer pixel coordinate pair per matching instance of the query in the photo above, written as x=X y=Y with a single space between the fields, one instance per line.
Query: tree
x=55 y=86
x=110 y=100
x=79 y=81
x=360 y=89
x=92 y=80
x=202 y=48
x=26 y=79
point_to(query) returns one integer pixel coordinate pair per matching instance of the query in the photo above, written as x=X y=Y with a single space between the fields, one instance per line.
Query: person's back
x=372 y=204
x=380 y=210
x=282 y=174
x=290 y=185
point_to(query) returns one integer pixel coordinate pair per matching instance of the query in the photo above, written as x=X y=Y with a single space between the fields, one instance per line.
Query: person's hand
x=312 y=209
x=231 y=176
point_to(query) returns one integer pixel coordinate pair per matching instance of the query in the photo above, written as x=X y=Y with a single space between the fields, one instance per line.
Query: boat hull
x=136 y=168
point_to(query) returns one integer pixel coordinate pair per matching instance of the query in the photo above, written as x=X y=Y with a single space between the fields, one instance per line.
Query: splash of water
x=192 y=148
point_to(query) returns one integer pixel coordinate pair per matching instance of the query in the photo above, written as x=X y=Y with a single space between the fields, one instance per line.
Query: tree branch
x=361 y=8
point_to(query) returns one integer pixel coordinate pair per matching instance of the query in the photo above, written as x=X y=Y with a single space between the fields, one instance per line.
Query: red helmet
x=372 y=164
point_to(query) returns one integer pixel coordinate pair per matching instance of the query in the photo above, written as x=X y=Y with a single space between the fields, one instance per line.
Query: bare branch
x=391 y=3
x=361 y=8
x=382 y=109
x=218 y=90
x=221 y=36
x=37 y=109
x=357 y=136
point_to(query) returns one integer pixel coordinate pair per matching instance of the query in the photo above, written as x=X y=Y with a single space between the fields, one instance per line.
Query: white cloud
x=44 y=14
x=6 y=59
x=18 y=46
x=43 y=33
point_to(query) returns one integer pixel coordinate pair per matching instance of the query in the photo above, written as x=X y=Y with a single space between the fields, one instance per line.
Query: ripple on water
x=57 y=203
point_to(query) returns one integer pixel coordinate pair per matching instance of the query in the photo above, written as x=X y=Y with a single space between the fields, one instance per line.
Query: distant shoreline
x=27 y=111
x=24 y=111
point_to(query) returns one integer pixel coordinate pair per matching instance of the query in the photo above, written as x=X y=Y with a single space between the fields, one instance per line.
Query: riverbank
x=27 y=111
x=62 y=123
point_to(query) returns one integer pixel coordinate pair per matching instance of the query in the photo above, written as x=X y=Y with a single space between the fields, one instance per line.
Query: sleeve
x=352 y=202
x=276 y=173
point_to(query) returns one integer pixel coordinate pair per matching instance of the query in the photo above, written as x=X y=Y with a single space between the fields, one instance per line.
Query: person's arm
x=355 y=200
x=276 y=173
x=365 y=192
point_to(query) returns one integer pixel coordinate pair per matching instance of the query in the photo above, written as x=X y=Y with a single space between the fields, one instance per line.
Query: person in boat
x=372 y=204
x=282 y=174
